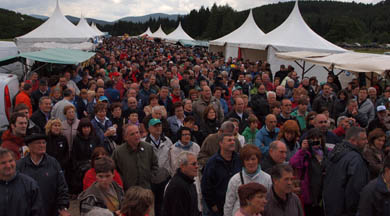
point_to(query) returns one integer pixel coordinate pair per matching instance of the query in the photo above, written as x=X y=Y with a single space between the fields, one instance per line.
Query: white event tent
x=98 y=32
x=244 y=38
x=84 y=27
x=56 y=30
x=179 y=34
x=295 y=35
x=147 y=32
x=159 y=34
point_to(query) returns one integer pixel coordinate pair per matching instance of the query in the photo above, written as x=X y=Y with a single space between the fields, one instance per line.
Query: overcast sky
x=111 y=10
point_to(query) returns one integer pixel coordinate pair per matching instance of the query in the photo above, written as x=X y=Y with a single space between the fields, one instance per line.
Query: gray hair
x=227 y=127
x=156 y=108
x=4 y=151
x=182 y=158
x=341 y=118
x=271 y=92
x=371 y=88
x=97 y=211
x=43 y=98
x=353 y=133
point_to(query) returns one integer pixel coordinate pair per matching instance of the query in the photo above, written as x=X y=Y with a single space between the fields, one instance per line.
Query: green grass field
x=371 y=50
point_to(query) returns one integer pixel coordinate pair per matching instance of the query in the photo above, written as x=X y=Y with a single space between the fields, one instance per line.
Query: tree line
x=335 y=21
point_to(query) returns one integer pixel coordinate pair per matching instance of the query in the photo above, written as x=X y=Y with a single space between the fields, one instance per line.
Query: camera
x=313 y=143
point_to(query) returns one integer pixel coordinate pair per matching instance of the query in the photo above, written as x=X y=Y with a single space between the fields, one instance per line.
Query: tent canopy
x=54 y=56
x=56 y=29
x=84 y=27
x=294 y=34
x=159 y=33
x=349 y=61
x=147 y=32
x=98 y=32
x=246 y=35
x=179 y=34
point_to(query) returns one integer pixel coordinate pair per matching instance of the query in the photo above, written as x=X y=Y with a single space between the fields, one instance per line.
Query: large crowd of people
x=152 y=128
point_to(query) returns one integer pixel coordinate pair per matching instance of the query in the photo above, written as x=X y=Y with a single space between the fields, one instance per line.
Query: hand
x=196 y=128
x=305 y=144
x=354 y=112
x=214 y=208
x=64 y=212
x=109 y=133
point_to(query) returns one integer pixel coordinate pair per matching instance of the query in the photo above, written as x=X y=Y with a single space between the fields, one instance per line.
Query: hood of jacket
x=340 y=150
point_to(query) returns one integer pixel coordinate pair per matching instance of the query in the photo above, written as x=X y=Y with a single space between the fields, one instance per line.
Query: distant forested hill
x=336 y=21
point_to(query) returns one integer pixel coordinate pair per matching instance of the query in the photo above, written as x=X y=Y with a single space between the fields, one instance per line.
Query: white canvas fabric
x=246 y=36
x=84 y=27
x=98 y=32
x=159 y=33
x=294 y=34
x=56 y=29
x=147 y=32
x=179 y=34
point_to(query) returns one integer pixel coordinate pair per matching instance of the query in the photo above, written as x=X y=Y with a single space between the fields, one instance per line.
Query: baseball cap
x=380 y=108
x=154 y=121
x=103 y=98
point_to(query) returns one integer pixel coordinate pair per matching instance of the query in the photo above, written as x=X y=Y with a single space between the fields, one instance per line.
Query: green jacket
x=136 y=167
x=249 y=135
x=301 y=119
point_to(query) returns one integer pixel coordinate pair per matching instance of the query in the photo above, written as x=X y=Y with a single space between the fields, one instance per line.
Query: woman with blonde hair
x=289 y=134
x=57 y=144
x=137 y=202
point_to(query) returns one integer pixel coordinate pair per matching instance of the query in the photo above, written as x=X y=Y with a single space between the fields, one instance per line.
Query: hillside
x=336 y=21
x=15 y=24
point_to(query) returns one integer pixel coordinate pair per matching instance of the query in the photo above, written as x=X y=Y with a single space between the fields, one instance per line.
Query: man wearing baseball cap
x=48 y=173
x=379 y=120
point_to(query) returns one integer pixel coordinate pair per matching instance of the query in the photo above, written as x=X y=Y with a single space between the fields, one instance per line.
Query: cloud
x=111 y=10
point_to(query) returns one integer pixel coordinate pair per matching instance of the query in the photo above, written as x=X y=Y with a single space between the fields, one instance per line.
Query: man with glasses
x=181 y=196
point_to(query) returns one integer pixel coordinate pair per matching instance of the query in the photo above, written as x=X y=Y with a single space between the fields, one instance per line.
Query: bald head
x=321 y=122
x=270 y=122
x=278 y=151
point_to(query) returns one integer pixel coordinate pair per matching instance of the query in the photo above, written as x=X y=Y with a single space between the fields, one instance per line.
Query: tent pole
x=302 y=67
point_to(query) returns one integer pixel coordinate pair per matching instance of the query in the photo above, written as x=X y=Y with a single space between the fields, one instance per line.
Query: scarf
x=253 y=174
x=184 y=147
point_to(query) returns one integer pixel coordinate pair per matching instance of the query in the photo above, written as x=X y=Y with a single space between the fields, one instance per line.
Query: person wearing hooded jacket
x=251 y=172
x=346 y=174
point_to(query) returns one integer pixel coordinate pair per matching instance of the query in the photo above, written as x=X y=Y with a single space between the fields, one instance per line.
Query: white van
x=8 y=48
x=9 y=87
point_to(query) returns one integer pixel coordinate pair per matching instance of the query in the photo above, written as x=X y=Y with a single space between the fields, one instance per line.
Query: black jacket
x=39 y=119
x=180 y=196
x=320 y=102
x=51 y=181
x=346 y=174
x=57 y=147
x=376 y=123
x=375 y=199
x=83 y=147
x=360 y=118
x=338 y=108
x=20 y=197
x=208 y=127
x=267 y=163
x=216 y=176
x=35 y=96
x=260 y=106
x=243 y=122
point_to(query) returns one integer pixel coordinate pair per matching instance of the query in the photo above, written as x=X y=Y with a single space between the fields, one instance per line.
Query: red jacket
x=90 y=178
x=24 y=98
x=339 y=131
x=15 y=144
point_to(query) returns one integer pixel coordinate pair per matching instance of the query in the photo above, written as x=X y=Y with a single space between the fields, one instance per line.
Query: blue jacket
x=215 y=180
x=100 y=129
x=346 y=174
x=112 y=94
x=264 y=138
